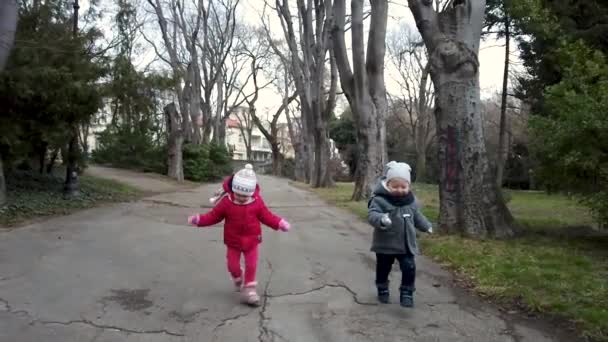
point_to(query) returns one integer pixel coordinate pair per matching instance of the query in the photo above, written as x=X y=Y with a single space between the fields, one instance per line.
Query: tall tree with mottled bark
x=470 y=202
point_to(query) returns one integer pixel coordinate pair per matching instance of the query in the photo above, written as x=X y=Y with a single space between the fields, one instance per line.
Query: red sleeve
x=216 y=215
x=266 y=216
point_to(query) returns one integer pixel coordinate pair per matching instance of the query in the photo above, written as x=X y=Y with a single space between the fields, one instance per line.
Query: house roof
x=232 y=123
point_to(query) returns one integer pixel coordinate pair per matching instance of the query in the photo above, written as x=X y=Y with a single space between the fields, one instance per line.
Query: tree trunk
x=503 y=149
x=364 y=87
x=323 y=111
x=64 y=155
x=249 y=151
x=198 y=135
x=309 y=157
x=8 y=25
x=470 y=202
x=42 y=157
x=70 y=188
x=300 y=162
x=51 y=164
x=276 y=158
x=175 y=143
x=376 y=50
x=3 y=200
x=296 y=142
x=322 y=174
x=219 y=133
x=219 y=137
x=369 y=150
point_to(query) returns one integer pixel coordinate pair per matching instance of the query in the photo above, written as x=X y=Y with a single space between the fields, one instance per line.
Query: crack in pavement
x=322 y=287
x=262 y=323
x=110 y=327
x=8 y=308
x=230 y=319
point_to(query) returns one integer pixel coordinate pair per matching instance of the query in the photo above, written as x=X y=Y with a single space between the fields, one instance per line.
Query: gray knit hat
x=387 y=167
x=398 y=170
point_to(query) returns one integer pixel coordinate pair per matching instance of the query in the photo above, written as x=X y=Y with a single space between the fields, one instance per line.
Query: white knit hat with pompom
x=245 y=181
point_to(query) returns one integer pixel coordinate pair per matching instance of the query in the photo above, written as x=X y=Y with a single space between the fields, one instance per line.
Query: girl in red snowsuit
x=242 y=209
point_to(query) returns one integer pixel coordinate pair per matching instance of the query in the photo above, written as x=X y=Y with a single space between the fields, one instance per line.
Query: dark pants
x=407 y=263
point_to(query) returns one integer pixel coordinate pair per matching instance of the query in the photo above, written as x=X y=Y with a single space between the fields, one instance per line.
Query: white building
x=260 y=147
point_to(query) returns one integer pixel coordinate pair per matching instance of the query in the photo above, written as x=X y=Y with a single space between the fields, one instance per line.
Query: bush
x=131 y=150
x=288 y=168
x=570 y=144
x=206 y=162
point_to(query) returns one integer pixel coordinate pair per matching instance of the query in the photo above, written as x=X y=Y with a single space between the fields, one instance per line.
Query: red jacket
x=242 y=228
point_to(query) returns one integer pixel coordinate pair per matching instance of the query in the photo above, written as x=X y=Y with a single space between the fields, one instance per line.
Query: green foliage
x=544 y=25
x=571 y=143
x=123 y=148
x=31 y=196
x=50 y=82
x=342 y=131
x=206 y=162
x=288 y=168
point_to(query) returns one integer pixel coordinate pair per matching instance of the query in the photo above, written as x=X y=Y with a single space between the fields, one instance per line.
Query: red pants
x=233 y=257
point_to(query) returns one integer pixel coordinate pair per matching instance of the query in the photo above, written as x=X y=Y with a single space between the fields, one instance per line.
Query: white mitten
x=386 y=221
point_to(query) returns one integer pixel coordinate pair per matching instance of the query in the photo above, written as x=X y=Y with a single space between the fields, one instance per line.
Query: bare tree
x=278 y=143
x=470 y=202
x=230 y=97
x=364 y=87
x=257 y=53
x=308 y=50
x=8 y=25
x=408 y=55
x=272 y=135
x=294 y=125
x=173 y=31
x=183 y=69
x=219 y=26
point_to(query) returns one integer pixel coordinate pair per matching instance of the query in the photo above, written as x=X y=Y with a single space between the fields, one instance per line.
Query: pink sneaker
x=249 y=296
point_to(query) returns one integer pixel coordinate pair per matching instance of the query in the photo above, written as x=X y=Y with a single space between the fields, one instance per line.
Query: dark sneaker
x=383 y=293
x=407 y=298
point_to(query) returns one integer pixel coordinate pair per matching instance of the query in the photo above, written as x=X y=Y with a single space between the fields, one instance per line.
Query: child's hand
x=386 y=221
x=284 y=226
x=430 y=231
x=193 y=220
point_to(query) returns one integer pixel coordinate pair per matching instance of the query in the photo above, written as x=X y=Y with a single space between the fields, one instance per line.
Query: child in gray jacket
x=393 y=212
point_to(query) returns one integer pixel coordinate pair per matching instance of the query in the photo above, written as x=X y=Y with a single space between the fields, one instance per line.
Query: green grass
x=555 y=267
x=31 y=195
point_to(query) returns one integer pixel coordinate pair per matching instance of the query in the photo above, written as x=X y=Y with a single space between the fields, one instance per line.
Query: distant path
x=148 y=182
